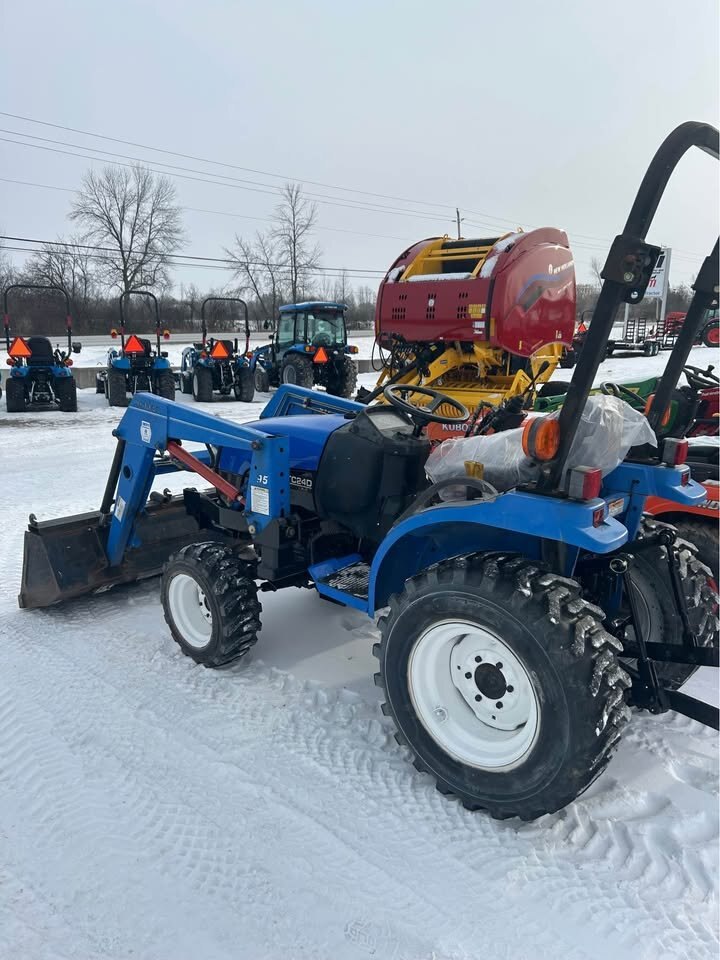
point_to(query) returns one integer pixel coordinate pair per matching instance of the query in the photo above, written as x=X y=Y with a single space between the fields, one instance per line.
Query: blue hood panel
x=306 y=433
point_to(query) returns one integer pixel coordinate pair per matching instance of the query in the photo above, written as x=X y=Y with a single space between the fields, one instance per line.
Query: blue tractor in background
x=517 y=623
x=136 y=367
x=39 y=377
x=308 y=348
x=218 y=366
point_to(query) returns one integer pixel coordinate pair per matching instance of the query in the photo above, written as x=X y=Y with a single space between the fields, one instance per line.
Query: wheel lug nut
x=478 y=659
x=468 y=676
x=510 y=689
x=499 y=666
x=499 y=705
x=478 y=697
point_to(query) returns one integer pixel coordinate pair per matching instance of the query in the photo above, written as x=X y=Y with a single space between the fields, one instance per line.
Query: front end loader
x=516 y=625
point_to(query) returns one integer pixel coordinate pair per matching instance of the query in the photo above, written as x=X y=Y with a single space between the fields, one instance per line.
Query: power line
x=189 y=256
x=218 y=213
x=236 y=183
x=222 y=163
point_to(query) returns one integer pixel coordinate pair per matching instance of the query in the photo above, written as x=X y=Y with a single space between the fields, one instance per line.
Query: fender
x=513 y=521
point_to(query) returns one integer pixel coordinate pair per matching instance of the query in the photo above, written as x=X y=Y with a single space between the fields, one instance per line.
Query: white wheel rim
x=455 y=686
x=190 y=610
x=289 y=374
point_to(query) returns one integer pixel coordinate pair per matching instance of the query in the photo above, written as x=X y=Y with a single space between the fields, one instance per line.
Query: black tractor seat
x=41 y=352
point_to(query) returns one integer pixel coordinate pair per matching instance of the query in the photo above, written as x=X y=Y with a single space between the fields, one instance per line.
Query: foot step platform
x=345 y=580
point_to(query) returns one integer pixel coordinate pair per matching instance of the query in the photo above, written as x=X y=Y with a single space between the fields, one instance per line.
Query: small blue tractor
x=218 y=366
x=39 y=377
x=136 y=367
x=308 y=348
x=516 y=627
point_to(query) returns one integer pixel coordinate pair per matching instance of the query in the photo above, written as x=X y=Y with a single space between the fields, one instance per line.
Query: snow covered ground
x=154 y=810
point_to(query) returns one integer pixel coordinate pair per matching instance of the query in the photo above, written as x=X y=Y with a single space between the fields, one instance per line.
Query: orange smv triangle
x=320 y=356
x=134 y=345
x=18 y=348
x=219 y=351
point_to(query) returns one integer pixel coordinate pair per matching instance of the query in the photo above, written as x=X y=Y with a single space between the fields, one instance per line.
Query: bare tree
x=134 y=214
x=596 y=269
x=295 y=219
x=69 y=267
x=257 y=269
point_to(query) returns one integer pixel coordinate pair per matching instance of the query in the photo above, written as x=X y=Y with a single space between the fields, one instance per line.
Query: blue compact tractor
x=136 y=367
x=308 y=348
x=517 y=624
x=218 y=366
x=39 y=377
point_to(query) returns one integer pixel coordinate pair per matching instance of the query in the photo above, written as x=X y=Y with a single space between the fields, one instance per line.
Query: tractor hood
x=307 y=435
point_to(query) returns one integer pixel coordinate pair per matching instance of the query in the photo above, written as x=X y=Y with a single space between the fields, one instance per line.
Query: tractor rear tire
x=650 y=576
x=477 y=635
x=15 y=395
x=66 y=394
x=210 y=603
x=703 y=534
x=165 y=384
x=298 y=370
x=711 y=334
x=262 y=380
x=117 y=388
x=99 y=385
x=244 y=386
x=202 y=385
x=345 y=383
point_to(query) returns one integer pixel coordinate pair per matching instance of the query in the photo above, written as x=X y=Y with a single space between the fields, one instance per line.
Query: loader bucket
x=66 y=558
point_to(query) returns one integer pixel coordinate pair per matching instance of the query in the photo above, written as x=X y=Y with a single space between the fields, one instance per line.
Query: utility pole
x=458 y=220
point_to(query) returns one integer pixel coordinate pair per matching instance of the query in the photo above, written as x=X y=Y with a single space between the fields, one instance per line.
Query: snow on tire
x=503 y=683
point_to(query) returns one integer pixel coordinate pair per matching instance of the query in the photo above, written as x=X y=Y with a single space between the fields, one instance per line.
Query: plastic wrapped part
x=608 y=428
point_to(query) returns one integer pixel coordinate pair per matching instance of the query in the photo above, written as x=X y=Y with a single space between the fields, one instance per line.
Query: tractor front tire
x=344 y=384
x=202 y=385
x=244 y=386
x=262 y=380
x=298 y=370
x=660 y=620
x=185 y=383
x=116 y=388
x=15 y=395
x=210 y=603
x=165 y=384
x=66 y=394
x=503 y=683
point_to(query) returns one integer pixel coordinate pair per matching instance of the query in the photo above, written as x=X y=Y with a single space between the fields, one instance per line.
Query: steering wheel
x=622 y=393
x=701 y=379
x=397 y=393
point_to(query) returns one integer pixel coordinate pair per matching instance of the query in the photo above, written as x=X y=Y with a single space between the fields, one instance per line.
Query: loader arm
x=132 y=535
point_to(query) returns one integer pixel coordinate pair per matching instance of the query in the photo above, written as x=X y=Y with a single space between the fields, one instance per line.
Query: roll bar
x=626 y=274
x=225 y=300
x=36 y=286
x=139 y=293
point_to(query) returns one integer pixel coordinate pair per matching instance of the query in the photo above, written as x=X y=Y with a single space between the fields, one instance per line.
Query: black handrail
x=225 y=300
x=626 y=274
x=36 y=286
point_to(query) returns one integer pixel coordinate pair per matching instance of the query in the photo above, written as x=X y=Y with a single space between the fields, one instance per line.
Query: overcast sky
x=522 y=113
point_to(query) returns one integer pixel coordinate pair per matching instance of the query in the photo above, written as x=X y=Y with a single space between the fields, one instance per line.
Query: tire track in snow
x=346 y=760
